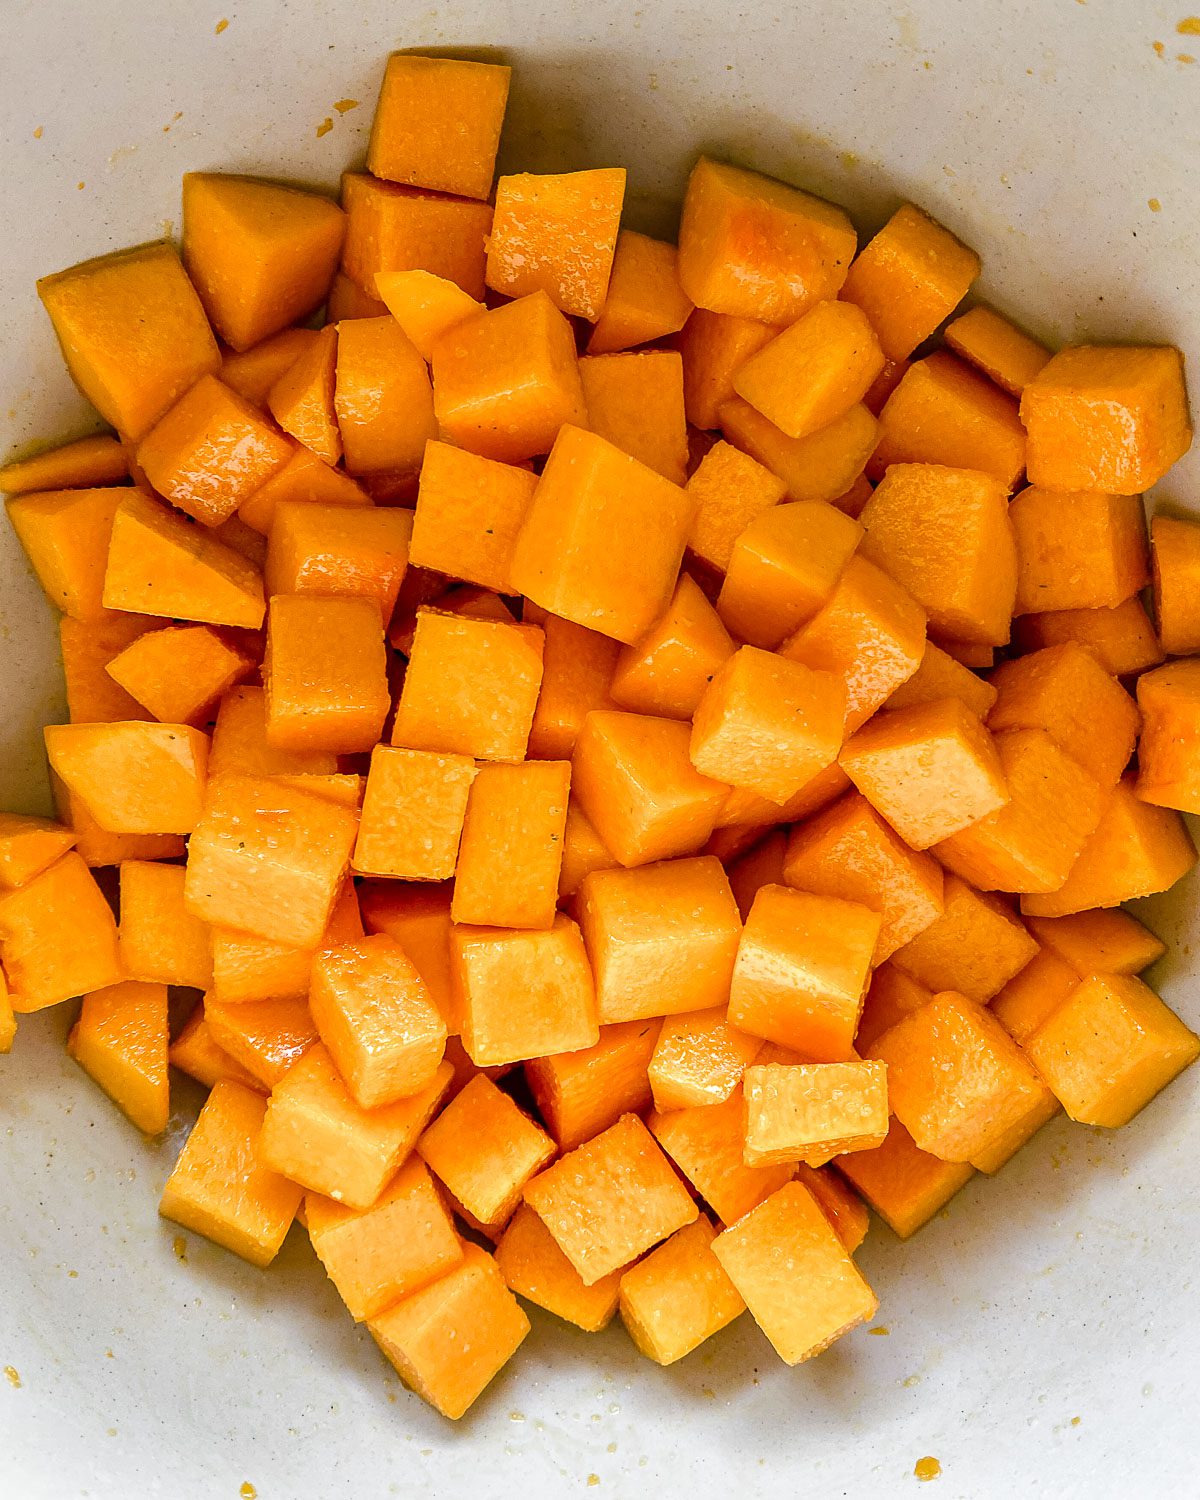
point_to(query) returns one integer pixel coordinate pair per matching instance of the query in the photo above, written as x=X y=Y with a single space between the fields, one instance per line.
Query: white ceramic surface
x=1042 y=1336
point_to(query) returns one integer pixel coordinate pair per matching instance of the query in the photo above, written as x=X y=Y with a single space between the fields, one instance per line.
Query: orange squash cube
x=265 y=1037
x=160 y=564
x=469 y=512
x=840 y=1204
x=941 y=676
x=1106 y=418
x=814 y=371
x=252 y=372
x=120 y=1040
x=1077 y=551
x=975 y=947
x=317 y=1135
x=678 y=1296
x=1099 y=942
x=870 y=632
x=1109 y=1048
x=88 y=648
x=645 y=301
x=383 y=397
x=347 y=299
x=821 y=466
x=418 y=918
x=903 y=1184
x=667 y=672
x=577 y=670
x=1175 y=550
x=220 y=1189
x=1031 y=843
x=1034 y=994
x=813 y=1111
x=756 y=248
x=535 y=1268
x=195 y=1053
x=28 y=846
x=378 y=1255
x=302 y=399
x=930 y=770
x=161 y=942
x=1008 y=357
x=635 y=782
x=471 y=687
x=522 y=994
x=661 y=938
x=437 y=123
x=450 y=1338
x=557 y=234
x=581 y=1093
x=583 y=851
x=88 y=461
x=268 y=860
x=1136 y=850
x=802 y=966
x=305 y=478
x=239 y=742
x=909 y=278
x=787 y=1262
x=393 y=227
x=133 y=777
x=699 y=1059
x=179 y=673
x=635 y=402
x=65 y=534
x=132 y=331
x=325 y=674
x=958 y=1082
x=603 y=538
x=424 y=305
x=340 y=551
x=730 y=491
x=412 y=814
x=512 y=845
x=783 y=567
x=705 y=1144
x=714 y=347
x=485 y=1149
x=943 y=412
x=1085 y=711
x=610 y=1200
x=848 y=852
x=891 y=995
x=96 y=846
x=261 y=255
x=767 y=724
x=372 y=1010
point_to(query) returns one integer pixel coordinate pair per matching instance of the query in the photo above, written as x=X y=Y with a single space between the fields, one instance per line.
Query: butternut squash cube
x=239 y=742
x=65 y=534
x=265 y=1037
x=161 y=942
x=1008 y=357
x=196 y=1053
x=393 y=227
x=382 y=397
x=813 y=1111
x=1077 y=551
x=645 y=301
x=1099 y=942
x=821 y=466
x=581 y=1093
x=714 y=347
x=667 y=672
x=941 y=676
x=730 y=490
x=469 y=513
x=678 y=1296
x=699 y=1059
x=975 y=947
x=1034 y=994
x=891 y=995
x=28 y=846
x=120 y=1040
x=903 y=1184
x=88 y=461
x=1175 y=549
x=325 y=674
x=512 y=845
x=1121 y=637
x=133 y=777
x=705 y=1143
x=339 y=551
x=413 y=812
x=635 y=402
x=535 y=1268
x=179 y=673
x=418 y=917
x=577 y=670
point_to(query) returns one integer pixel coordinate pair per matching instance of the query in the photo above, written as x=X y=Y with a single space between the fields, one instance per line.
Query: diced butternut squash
x=522 y=994
x=133 y=777
x=1031 y=843
x=265 y=1037
x=239 y=742
x=469 y=513
x=88 y=647
x=1034 y=994
x=931 y=770
x=577 y=669
x=714 y=347
x=1099 y=942
x=471 y=687
x=762 y=864
x=450 y=1339
x=161 y=942
x=661 y=938
x=645 y=301
x=768 y=724
x=581 y=1093
x=437 y=123
x=418 y=918
x=1106 y=418
x=325 y=674
x=678 y=1296
x=802 y=966
x=179 y=673
x=610 y=1200
x=85 y=463
x=940 y=676
x=96 y=846
x=1065 y=691
x=1175 y=546
x=254 y=968
x=305 y=478
x=195 y=1053
x=1008 y=357
x=29 y=845
x=252 y=372
x=814 y=371
x=753 y=247
x=821 y=466
x=424 y=305
x=870 y=632
x=705 y=1144
x=378 y=1255
x=730 y=490
x=975 y=947
x=65 y=534
x=699 y=1059
x=412 y=814
x=903 y=1184
x=302 y=399
x=512 y=845
x=338 y=551
x=268 y=860
x=485 y=1149
x=796 y=1277
x=583 y=852
x=813 y=1111
x=120 y=1040
x=849 y=852
x=392 y=227
x=133 y=333
x=535 y=1268
x=636 y=783
x=635 y=402
x=909 y=278
x=383 y=398
x=1121 y=636
x=667 y=672
x=891 y=995
x=221 y=1190
x=347 y=299
x=1077 y=551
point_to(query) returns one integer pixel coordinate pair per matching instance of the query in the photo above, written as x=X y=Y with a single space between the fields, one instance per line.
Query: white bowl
x=1043 y=1333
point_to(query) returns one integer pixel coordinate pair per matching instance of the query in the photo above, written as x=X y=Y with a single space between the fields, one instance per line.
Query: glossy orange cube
x=382 y=396
x=512 y=845
x=635 y=402
x=1099 y=942
x=581 y=1093
x=413 y=812
x=161 y=942
x=1077 y=551
x=975 y=947
x=821 y=466
x=325 y=674
x=239 y=742
x=133 y=777
x=903 y=1184
x=1034 y=994
x=939 y=676
x=65 y=534
x=714 y=346
x=577 y=670
x=120 y=1040
x=29 y=845
x=469 y=512
x=179 y=673
x=667 y=672
x=535 y=1268
x=1175 y=546
x=730 y=490
x=393 y=227
x=678 y=1296
x=813 y=1111
x=1008 y=357
x=645 y=301
x=705 y=1143
x=699 y=1059
x=339 y=551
